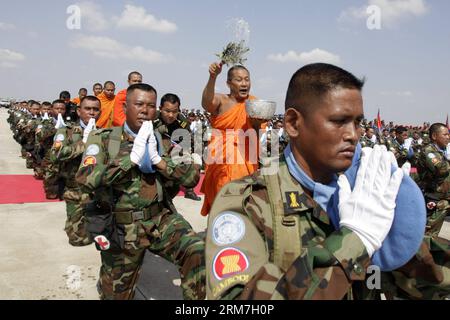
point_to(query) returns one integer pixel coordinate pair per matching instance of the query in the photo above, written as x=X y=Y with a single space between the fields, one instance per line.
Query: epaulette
x=183 y=124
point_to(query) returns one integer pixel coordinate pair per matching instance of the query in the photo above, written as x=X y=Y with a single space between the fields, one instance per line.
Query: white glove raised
x=140 y=142
x=153 y=147
x=406 y=168
x=368 y=210
x=90 y=126
x=60 y=123
x=45 y=117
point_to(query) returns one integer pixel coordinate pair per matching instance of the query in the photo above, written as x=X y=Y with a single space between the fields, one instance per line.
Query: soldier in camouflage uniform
x=169 y=119
x=427 y=274
x=123 y=173
x=28 y=133
x=434 y=177
x=268 y=234
x=366 y=140
x=66 y=153
x=396 y=146
x=44 y=139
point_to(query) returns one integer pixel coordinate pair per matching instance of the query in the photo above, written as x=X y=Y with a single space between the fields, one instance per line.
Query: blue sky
x=406 y=62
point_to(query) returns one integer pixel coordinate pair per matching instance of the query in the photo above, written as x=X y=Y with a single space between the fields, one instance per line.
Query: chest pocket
x=148 y=188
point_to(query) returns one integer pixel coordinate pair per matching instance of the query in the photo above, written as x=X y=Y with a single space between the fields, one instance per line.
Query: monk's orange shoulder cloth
x=225 y=159
x=118 y=112
x=107 y=106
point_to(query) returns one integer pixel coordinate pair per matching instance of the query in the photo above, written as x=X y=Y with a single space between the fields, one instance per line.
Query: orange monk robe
x=76 y=101
x=107 y=106
x=119 y=113
x=226 y=146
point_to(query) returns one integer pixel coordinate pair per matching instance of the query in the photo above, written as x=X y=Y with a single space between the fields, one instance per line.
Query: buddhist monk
x=81 y=94
x=97 y=89
x=118 y=113
x=227 y=113
x=107 y=99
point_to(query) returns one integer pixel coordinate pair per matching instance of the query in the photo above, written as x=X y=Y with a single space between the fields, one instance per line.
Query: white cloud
x=316 y=55
x=392 y=11
x=112 y=49
x=92 y=17
x=9 y=58
x=6 y=26
x=137 y=18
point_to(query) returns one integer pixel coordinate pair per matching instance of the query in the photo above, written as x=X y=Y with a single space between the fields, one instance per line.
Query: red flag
x=379 y=121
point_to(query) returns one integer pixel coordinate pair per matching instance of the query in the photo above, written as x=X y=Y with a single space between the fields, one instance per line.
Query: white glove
x=45 y=117
x=368 y=210
x=60 y=123
x=140 y=142
x=197 y=159
x=153 y=147
x=406 y=168
x=90 y=126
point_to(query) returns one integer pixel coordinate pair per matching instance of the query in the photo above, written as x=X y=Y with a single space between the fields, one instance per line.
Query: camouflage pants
x=75 y=226
x=52 y=186
x=436 y=218
x=167 y=235
x=425 y=277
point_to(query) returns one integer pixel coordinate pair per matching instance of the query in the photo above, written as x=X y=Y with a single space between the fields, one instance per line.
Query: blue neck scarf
x=82 y=125
x=129 y=131
x=321 y=193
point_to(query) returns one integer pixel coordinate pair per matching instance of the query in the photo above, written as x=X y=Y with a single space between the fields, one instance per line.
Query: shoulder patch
x=431 y=156
x=93 y=150
x=89 y=161
x=228 y=262
x=228 y=228
x=60 y=137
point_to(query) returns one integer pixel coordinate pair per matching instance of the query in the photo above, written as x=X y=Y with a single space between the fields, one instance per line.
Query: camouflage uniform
x=22 y=122
x=268 y=239
x=66 y=153
x=427 y=274
x=29 y=139
x=44 y=141
x=434 y=179
x=165 y=136
x=366 y=142
x=139 y=216
x=400 y=153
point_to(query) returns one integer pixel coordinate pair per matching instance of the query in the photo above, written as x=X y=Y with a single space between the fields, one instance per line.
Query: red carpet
x=26 y=189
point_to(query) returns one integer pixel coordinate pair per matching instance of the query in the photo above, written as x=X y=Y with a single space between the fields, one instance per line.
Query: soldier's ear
x=125 y=108
x=293 y=120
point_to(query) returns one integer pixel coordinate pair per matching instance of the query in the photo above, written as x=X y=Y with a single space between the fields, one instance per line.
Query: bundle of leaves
x=233 y=53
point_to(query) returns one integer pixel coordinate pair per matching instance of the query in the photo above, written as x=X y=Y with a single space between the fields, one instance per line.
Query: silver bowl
x=260 y=109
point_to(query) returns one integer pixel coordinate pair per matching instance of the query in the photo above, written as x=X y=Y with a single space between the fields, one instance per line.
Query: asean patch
x=293 y=199
x=228 y=262
x=434 y=160
x=93 y=150
x=60 y=137
x=102 y=242
x=57 y=145
x=89 y=161
x=228 y=228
